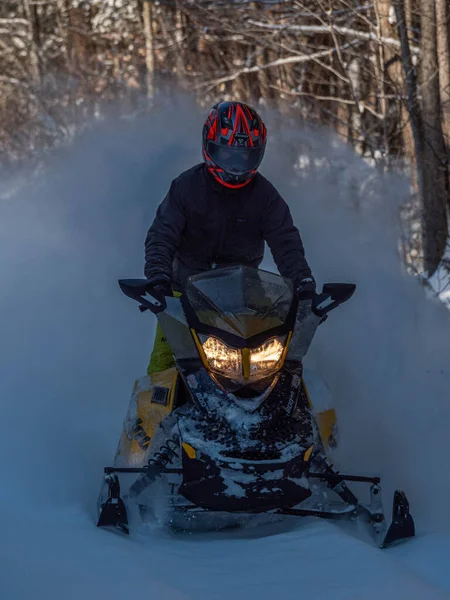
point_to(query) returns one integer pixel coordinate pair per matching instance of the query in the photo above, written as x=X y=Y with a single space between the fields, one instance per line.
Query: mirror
x=333 y=294
x=134 y=288
x=341 y=292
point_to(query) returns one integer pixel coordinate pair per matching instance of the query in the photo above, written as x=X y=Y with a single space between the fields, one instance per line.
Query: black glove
x=306 y=288
x=157 y=289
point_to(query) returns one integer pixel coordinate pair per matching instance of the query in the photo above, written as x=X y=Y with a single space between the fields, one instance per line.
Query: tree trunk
x=79 y=41
x=72 y=25
x=264 y=90
x=409 y=13
x=393 y=82
x=411 y=86
x=149 y=51
x=435 y=175
x=443 y=48
x=178 y=44
x=32 y=17
x=62 y=18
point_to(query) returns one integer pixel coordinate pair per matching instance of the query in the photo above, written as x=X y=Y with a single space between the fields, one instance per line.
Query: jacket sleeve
x=163 y=237
x=284 y=239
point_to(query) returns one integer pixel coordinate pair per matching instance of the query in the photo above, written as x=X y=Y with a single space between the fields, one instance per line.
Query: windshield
x=240 y=300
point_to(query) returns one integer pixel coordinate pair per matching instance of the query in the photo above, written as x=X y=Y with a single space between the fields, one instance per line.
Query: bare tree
x=435 y=176
x=346 y=64
x=149 y=50
x=34 y=40
x=443 y=49
x=392 y=83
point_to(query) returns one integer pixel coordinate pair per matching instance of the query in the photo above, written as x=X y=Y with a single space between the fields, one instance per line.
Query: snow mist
x=72 y=345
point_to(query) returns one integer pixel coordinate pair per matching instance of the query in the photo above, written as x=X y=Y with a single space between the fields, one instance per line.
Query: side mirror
x=133 y=288
x=137 y=289
x=333 y=294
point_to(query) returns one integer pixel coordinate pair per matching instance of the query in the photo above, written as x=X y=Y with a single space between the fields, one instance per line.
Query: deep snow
x=71 y=347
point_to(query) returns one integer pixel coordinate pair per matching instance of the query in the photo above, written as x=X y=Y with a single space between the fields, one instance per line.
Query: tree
x=435 y=174
x=443 y=49
x=149 y=50
x=346 y=64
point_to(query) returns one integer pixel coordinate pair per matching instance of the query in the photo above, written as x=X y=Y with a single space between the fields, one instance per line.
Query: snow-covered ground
x=71 y=347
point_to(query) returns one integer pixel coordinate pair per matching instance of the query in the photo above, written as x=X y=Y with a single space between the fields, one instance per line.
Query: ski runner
x=219 y=213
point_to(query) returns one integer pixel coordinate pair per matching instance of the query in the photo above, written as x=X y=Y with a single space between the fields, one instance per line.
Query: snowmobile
x=230 y=430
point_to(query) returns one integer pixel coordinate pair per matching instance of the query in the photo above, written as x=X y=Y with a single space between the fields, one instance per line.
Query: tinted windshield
x=240 y=300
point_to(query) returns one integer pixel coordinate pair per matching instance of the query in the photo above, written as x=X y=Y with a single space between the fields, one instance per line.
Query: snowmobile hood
x=240 y=303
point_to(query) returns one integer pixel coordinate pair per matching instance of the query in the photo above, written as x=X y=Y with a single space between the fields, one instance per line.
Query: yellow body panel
x=161 y=358
x=308 y=453
x=145 y=415
x=190 y=451
x=326 y=421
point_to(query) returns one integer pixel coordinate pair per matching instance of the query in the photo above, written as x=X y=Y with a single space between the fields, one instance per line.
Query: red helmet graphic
x=234 y=141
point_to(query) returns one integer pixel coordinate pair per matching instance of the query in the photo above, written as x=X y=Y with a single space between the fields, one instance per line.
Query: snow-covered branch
x=317 y=29
x=12 y=33
x=15 y=22
x=20 y=84
x=288 y=60
x=362 y=105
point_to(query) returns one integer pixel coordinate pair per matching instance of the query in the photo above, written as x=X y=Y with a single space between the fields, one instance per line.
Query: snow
x=72 y=345
x=59 y=554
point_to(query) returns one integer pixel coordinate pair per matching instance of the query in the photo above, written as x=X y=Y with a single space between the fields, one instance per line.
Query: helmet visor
x=235 y=159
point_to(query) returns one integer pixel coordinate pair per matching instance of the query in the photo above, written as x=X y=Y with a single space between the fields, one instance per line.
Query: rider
x=220 y=213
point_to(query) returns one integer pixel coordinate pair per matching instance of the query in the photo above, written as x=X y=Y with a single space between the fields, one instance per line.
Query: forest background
x=378 y=73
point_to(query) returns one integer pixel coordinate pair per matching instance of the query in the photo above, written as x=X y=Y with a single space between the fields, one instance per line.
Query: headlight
x=221 y=357
x=267 y=356
x=244 y=364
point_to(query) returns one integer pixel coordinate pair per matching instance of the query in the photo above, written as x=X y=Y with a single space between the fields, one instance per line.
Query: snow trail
x=71 y=347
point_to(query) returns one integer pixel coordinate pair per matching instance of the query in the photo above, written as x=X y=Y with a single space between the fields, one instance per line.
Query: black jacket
x=201 y=224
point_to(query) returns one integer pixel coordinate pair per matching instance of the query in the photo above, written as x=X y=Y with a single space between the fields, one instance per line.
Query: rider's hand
x=157 y=289
x=306 y=288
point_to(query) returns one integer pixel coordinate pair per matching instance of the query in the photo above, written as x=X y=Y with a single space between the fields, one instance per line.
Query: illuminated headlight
x=267 y=356
x=221 y=357
x=244 y=364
